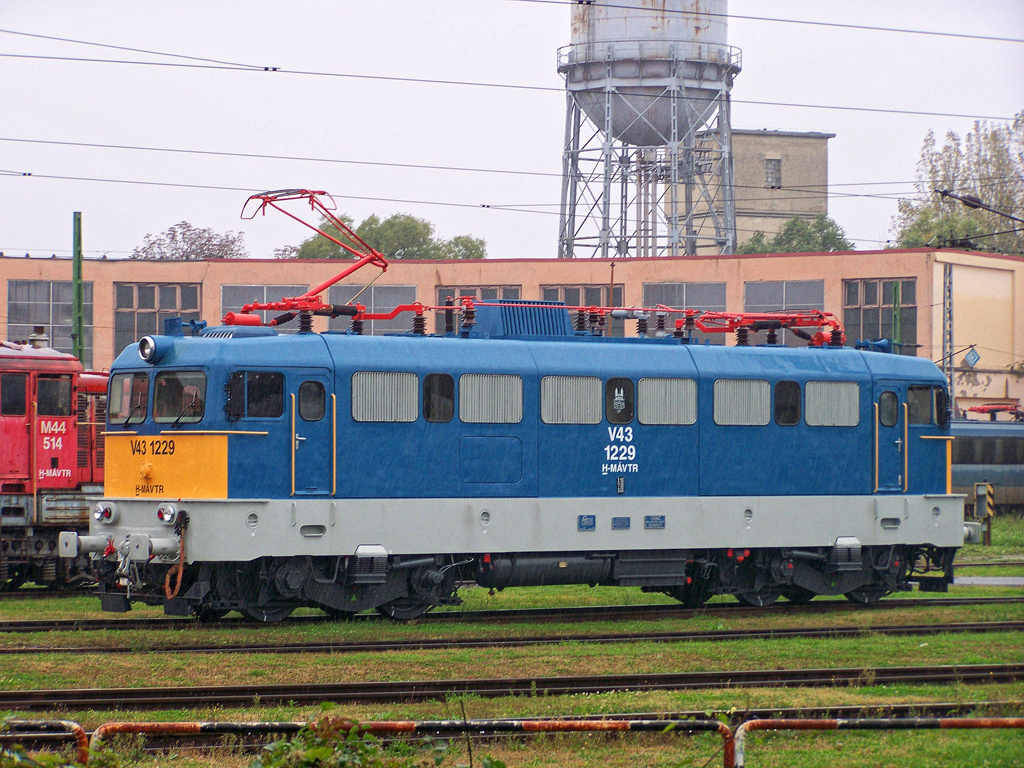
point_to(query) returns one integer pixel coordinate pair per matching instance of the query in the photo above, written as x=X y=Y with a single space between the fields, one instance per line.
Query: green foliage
x=821 y=235
x=334 y=742
x=988 y=164
x=400 y=236
x=184 y=242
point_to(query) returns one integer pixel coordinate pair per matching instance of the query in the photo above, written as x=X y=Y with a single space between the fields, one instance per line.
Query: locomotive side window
x=129 y=395
x=486 y=398
x=54 y=396
x=256 y=394
x=438 y=397
x=927 y=405
x=264 y=394
x=312 y=401
x=179 y=396
x=12 y=394
x=787 y=403
x=619 y=401
x=742 y=402
x=666 y=401
x=833 y=403
x=570 y=400
x=888 y=409
x=385 y=396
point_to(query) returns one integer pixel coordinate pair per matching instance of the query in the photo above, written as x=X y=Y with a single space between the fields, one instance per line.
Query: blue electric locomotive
x=258 y=472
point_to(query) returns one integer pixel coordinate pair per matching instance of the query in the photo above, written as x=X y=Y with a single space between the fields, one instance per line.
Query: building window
x=377 y=299
x=782 y=296
x=141 y=308
x=589 y=296
x=869 y=311
x=479 y=292
x=773 y=173
x=48 y=303
x=234 y=297
x=709 y=297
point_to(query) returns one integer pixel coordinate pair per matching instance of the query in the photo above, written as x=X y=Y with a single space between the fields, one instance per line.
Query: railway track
x=525 y=615
x=375 y=646
x=189 y=697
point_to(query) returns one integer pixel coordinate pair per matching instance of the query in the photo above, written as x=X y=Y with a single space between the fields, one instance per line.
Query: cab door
x=14 y=435
x=313 y=446
x=890 y=436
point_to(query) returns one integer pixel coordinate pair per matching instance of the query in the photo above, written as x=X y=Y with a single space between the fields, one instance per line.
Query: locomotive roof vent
x=512 y=319
x=236 y=332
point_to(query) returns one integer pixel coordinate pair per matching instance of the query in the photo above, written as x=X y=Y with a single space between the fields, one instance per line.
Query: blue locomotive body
x=257 y=472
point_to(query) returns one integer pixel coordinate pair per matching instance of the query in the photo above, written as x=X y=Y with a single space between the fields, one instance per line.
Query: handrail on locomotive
x=829 y=332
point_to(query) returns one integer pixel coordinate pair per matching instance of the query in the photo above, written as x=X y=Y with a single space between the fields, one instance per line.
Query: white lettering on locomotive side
x=54 y=472
x=53 y=427
x=619 y=469
x=620 y=434
x=53 y=443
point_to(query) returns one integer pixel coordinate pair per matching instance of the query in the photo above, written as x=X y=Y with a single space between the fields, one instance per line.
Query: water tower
x=647 y=165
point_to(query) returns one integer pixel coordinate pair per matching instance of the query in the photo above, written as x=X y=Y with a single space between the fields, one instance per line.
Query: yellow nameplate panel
x=177 y=465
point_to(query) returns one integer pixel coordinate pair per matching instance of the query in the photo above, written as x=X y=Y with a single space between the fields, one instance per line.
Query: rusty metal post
x=54 y=726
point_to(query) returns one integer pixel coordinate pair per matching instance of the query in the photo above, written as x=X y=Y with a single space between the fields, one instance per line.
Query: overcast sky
x=349 y=126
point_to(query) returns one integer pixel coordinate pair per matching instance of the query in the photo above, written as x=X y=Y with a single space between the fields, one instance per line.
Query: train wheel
x=404 y=609
x=761 y=599
x=269 y=615
x=692 y=595
x=866 y=595
x=798 y=595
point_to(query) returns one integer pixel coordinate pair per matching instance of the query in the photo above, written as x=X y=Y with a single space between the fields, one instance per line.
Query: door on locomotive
x=890 y=436
x=312 y=415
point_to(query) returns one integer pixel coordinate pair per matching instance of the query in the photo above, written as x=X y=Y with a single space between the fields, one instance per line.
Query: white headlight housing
x=167 y=514
x=105 y=512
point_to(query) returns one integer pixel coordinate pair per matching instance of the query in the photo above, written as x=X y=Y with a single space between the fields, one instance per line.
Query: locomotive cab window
x=255 y=394
x=787 y=403
x=438 y=398
x=53 y=396
x=12 y=394
x=619 y=401
x=888 y=409
x=179 y=397
x=312 y=401
x=927 y=405
x=129 y=396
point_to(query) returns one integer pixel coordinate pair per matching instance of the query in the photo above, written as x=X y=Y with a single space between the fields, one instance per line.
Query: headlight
x=105 y=512
x=147 y=349
x=167 y=514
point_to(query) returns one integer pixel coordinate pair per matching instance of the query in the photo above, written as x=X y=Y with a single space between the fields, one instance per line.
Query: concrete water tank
x=641 y=49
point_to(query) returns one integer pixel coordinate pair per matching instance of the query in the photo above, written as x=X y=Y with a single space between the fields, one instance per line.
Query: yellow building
x=129 y=299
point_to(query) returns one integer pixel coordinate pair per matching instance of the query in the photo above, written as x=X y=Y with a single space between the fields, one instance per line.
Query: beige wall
x=988 y=291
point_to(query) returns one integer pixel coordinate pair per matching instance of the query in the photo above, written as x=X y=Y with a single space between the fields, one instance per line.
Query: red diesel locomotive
x=52 y=414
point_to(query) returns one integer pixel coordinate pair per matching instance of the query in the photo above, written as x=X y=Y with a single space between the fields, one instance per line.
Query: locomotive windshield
x=54 y=396
x=129 y=393
x=179 y=396
x=12 y=394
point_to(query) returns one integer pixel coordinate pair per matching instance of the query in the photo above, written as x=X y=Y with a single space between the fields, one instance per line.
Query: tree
x=822 y=235
x=184 y=242
x=987 y=164
x=400 y=236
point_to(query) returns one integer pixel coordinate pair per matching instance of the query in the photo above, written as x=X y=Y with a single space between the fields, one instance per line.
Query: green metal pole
x=897 y=335
x=78 y=292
